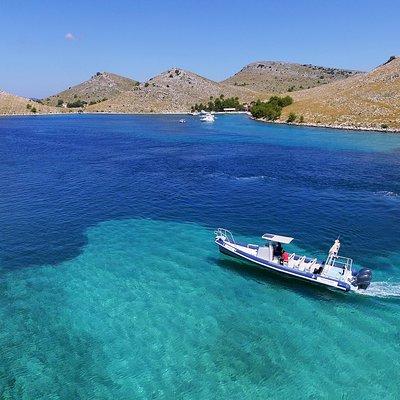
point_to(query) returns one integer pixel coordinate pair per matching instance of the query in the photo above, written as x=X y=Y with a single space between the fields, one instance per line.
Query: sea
x=111 y=286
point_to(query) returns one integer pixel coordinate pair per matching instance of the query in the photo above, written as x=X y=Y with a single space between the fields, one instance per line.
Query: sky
x=47 y=46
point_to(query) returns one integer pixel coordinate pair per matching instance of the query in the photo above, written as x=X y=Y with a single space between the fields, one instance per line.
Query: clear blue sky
x=47 y=46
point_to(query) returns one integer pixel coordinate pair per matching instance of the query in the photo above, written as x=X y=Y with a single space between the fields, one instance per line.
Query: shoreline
x=327 y=126
x=304 y=124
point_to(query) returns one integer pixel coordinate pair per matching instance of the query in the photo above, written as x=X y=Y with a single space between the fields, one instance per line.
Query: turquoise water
x=111 y=286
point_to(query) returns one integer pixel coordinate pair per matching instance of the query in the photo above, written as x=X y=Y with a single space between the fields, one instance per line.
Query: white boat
x=194 y=113
x=334 y=272
x=182 y=121
x=207 y=118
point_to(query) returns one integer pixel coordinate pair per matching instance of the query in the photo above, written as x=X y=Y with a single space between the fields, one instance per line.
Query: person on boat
x=285 y=257
x=278 y=250
x=334 y=250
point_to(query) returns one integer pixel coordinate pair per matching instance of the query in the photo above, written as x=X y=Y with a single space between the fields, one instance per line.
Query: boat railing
x=334 y=261
x=225 y=235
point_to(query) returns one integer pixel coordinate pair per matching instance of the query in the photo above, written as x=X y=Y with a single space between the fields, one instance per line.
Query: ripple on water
x=149 y=309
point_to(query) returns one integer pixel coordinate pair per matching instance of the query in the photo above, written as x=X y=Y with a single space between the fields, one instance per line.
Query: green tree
x=291 y=117
x=270 y=110
x=76 y=104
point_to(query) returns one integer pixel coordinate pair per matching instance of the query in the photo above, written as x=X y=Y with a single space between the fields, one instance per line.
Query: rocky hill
x=12 y=104
x=279 y=77
x=367 y=100
x=175 y=90
x=100 y=87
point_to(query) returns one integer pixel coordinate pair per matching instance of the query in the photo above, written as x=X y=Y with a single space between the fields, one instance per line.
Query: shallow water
x=111 y=286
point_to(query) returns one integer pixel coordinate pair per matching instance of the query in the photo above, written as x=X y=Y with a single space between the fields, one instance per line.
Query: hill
x=367 y=100
x=101 y=86
x=12 y=104
x=175 y=90
x=279 y=77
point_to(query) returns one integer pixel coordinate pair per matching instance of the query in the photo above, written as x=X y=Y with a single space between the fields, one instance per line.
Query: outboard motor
x=363 y=278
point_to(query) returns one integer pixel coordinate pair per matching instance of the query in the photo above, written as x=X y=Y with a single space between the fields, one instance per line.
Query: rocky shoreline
x=328 y=126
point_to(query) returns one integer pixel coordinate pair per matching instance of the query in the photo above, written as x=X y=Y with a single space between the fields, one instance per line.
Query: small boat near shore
x=208 y=117
x=335 y=271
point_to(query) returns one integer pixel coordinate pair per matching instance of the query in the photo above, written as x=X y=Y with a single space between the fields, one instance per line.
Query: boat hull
x=229 y=250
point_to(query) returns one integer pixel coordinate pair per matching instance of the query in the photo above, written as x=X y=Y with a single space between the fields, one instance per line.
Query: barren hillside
x=103 y=85
x=279 y=77
x=12 y=104
x=175 y=90
x=369 y=100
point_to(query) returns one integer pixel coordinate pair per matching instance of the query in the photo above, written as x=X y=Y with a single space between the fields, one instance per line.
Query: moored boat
x=334 y=272
x=207 y=118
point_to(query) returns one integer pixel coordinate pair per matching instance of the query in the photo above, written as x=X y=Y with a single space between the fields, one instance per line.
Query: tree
x=270 y=110
x=291 y=117
x=33 y=109
x=301 y=119
x=76 y=104
x=60 y=102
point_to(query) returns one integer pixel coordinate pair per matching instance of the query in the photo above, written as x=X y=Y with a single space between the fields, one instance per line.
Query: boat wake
x=382 y=289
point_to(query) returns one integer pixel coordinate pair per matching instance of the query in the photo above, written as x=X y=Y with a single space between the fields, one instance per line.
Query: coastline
x=327 y=126
x=304 y=124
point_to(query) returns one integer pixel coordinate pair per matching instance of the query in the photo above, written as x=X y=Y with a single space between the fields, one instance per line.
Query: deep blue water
x=111 y=287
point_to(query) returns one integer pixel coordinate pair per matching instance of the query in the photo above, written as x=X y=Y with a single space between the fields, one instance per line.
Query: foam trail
x=382 y=289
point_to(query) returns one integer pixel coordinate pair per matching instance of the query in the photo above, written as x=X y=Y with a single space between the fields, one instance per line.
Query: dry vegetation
x=175 y=90
x=11 y=104
x=280 y=77
x=101 y=86
x=370 y=100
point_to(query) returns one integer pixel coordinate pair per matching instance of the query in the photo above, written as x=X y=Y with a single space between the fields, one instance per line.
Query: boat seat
x=311 y=267
x=301 y=264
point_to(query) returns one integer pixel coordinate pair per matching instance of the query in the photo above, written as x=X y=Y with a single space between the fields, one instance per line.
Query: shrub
x=28 y=106
x=219 y=104
x=291 y=117
x=384 y=126
x=146 y=84
x=301 y=119
x=60 y=103
x=76 y=104
x=33 y=109
x=270 y=110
